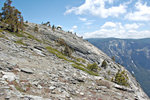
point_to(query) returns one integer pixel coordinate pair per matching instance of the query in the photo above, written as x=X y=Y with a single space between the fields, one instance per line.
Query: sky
x=91 y=18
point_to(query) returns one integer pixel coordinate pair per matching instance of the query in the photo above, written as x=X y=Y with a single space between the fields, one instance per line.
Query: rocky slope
x=134 y=54
x=33 y=67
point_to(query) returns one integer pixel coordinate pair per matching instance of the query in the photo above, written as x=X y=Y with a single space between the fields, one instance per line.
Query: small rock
x=80 y=79
x=81 y=93
x=35 y=83
x=27 y=70
x=98 y=78
x=5 y=87
x=54 y=92
x=8 y=76
x=39 y=87
x=39 y=52
x=31 y=97
x=2 y=81
x=52 y=87
x=102 y=87
x=123 y=88
x=66 y=94
x=1 y=94
x=17 y=69
x=71 y=91
x=7 y=97
x=39 y=48
x=3 y=32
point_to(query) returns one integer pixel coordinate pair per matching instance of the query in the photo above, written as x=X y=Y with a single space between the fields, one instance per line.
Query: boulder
x=52 y=87
x=27 y=70
x=39 y=52
x=123 y=88
x=8 y=76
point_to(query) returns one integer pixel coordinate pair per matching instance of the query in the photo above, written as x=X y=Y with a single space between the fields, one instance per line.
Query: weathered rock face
x=134 y=54
x=29 y=70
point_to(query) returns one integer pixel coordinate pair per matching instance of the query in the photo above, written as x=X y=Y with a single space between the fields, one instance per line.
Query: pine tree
x=0 y=21
x=93 y=67
x=104 y=64
x=0 y=16
x=49 y=25
x=21 y=23
x=12 y=17
x=7 y=10
x=53 y=28
x=121 y=78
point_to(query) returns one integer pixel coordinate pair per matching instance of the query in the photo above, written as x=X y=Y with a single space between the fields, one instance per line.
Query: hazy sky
x=91 y=18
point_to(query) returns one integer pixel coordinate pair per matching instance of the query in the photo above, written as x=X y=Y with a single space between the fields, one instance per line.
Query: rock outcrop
x=133 y=54
x=33 y=67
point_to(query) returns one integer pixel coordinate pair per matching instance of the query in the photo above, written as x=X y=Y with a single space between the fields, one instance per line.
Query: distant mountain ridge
x=134 y=54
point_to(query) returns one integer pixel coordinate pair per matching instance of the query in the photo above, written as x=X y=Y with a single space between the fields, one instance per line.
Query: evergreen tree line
x=11 y=18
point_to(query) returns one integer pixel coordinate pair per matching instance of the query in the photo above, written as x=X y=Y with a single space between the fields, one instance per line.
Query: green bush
x=1 y=30
x=93 y=67
x=2 y=36
x=80 y=60
x=75 y=64
x=32 y=37
x=61 y=42
x=62 y=56
x=104 y=64
x=20 y=42
x=85 y=70
x=67 y=51
x=121 y=78
x=113 y=58
x=46 y=24
x=17 y=86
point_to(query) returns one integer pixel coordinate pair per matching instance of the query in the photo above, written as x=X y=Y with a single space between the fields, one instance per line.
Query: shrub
x=61 y=42
x=121 y=78
x=49 y=25
x=20 y=42
x=1 y=30
x=93 y=67
x=104 y=64
x=113 y=58
x=17 y=34
x=32 y=37
x=17 y=86
x=80 y=60
x=46 y=24
x=36 y=29
x=75 y=64
x=85 y=70
x=67 y=51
